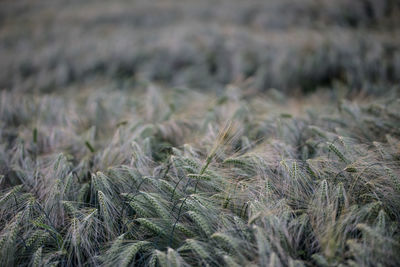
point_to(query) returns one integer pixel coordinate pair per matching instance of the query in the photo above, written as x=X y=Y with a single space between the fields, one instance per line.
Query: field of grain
x=200 y=133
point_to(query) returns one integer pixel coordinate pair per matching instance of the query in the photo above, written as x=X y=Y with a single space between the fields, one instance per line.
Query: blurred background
x=293 y=46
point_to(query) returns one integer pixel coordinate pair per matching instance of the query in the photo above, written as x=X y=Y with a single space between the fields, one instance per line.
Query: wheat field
x=188 y=133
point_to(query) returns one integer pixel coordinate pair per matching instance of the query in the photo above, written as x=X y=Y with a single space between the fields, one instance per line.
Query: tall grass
x=144 y=133
x=314 y=188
